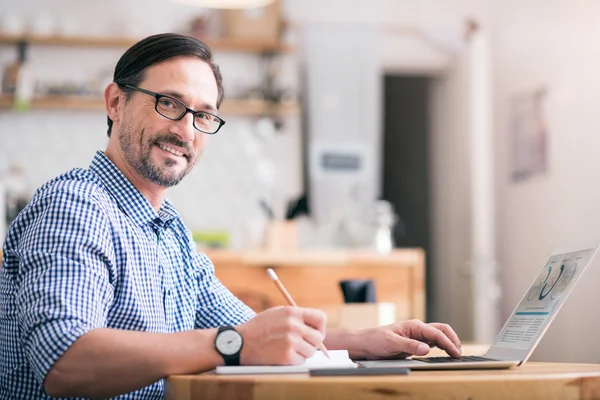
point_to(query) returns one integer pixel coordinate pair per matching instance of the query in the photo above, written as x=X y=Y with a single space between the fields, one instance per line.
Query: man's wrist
x=202 y=352
x=357 y=345
x=346 y=339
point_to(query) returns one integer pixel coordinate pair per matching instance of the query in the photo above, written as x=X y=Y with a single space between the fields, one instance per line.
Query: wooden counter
x=547 y=381
x=312 y=278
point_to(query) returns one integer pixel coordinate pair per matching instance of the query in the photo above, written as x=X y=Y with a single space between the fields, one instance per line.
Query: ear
x=113 y=101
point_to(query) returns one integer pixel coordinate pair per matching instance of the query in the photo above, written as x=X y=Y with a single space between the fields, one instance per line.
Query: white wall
x=553 y=44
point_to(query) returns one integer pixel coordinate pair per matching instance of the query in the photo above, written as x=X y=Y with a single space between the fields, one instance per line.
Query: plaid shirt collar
x=128 y=198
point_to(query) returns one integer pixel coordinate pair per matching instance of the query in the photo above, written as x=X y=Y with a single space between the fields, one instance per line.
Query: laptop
x=526 y=324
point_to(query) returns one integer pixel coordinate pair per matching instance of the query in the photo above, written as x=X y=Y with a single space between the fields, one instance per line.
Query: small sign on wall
x=348 y=161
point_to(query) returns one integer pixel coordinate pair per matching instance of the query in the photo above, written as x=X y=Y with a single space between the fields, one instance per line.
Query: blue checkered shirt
x=89 y=252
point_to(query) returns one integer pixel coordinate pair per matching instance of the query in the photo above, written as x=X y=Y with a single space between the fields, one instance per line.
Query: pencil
x=290 y=301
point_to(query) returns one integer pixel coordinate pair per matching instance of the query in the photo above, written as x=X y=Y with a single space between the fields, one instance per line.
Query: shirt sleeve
x=63 y=275
x=217 y=305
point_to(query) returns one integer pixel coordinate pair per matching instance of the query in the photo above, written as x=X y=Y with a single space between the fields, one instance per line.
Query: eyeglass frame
x=158 y=96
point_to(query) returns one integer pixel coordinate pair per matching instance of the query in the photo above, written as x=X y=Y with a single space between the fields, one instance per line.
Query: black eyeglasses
x=173 y=109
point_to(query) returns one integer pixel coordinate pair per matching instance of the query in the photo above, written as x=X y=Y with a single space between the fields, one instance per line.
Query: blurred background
x=465 y=128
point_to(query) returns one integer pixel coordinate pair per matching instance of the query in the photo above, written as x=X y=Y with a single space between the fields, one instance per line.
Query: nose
x=184 y=128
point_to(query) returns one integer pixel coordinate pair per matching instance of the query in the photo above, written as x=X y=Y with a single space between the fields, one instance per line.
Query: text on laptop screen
x=543 y=299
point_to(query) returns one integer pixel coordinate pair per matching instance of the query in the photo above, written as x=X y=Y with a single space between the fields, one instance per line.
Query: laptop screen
x=542 y=301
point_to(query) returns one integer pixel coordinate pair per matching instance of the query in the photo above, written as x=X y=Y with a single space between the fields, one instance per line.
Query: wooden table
x=547 y=381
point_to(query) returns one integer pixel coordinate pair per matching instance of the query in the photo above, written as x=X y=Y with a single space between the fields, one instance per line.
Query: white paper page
x=339 y=359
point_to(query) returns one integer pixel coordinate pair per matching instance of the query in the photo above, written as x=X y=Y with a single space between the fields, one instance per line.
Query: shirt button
x=169 y=292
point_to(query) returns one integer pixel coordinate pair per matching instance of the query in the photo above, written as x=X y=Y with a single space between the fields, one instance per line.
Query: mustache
x=170 y=139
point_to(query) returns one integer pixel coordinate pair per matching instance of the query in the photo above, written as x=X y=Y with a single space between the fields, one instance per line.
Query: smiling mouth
x=171 y=150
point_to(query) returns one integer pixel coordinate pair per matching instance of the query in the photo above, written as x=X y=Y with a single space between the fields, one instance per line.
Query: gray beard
x=142 y=161
x=147 y=169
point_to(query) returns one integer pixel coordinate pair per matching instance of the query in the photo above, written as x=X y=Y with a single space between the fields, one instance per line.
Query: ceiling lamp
x=226 y=3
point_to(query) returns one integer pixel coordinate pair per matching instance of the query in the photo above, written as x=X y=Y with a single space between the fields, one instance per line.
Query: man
x=101 y=290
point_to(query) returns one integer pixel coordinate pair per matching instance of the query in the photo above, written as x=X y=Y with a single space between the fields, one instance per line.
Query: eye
x=204 y=116
x=166 y=102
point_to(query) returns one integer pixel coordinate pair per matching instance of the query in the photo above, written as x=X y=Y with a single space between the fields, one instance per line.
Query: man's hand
x=282 y=336
x=403 y=339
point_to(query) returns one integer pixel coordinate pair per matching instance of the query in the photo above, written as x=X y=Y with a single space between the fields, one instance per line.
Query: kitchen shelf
x=251 y=45
x=229 y=107
x=58 y=102
x=258 y=108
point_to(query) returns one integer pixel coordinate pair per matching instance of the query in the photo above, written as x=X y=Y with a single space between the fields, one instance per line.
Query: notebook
x=339 y=359
x=528 y=322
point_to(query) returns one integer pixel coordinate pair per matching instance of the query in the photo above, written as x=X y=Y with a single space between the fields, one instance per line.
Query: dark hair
x=154 y=49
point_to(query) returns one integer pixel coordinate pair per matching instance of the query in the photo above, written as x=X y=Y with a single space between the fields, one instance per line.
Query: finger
x=312 y=336
x=406 y=346
x=304 y=348
x=449 y=332
x=290 y=355
x=307 y=324
x=307 y=333
x=296 y=351
x=431 y=334
x=314 y=318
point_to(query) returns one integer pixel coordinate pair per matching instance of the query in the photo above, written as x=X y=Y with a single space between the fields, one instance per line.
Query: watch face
x=229 y=342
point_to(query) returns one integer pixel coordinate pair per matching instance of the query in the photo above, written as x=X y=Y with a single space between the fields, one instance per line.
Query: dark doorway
x=406 y=172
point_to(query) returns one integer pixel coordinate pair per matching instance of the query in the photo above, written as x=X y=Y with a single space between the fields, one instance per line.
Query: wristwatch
x=228 y=344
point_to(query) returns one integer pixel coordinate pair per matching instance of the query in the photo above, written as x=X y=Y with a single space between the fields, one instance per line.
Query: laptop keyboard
x=452 y=360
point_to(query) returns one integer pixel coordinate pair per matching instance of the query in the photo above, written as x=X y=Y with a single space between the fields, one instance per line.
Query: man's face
x=160 y=150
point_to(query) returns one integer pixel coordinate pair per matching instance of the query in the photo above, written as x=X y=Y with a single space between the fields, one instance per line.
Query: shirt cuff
x=49 y=342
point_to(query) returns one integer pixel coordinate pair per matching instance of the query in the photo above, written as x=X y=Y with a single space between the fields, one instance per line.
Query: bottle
x=3 y=219
x=386 y=219
x=16 y=195
x=11 y=74
x=25 y=88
